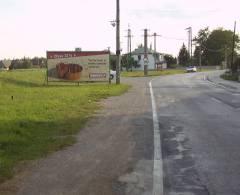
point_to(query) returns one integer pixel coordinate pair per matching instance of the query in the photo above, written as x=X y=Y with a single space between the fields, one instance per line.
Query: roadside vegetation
x=234 y=73
x=140 y=73
x=229 y=76
x=212 y=48
x=36 y=119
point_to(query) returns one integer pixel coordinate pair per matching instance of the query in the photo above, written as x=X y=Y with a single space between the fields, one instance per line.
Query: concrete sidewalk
x=215 y=78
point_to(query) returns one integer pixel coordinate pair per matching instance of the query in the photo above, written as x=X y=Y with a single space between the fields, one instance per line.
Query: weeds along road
x=199 y=137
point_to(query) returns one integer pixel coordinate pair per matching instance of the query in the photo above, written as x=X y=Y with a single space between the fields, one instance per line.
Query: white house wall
x=151 y=64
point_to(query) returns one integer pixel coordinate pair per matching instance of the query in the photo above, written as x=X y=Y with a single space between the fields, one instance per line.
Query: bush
x=21 y=64
x=172 y=66
x=229 y=76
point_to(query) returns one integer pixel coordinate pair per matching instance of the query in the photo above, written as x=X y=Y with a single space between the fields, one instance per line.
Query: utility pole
x=233 y=68
x=189 y=41
x=226 y=58
x=155 y=47
x=145 y=53
x=129 y=43
x=129 y=40
x=118 y=52
x=200 y=59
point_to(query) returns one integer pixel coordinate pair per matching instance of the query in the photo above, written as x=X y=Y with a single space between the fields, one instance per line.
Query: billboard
x=78 y=66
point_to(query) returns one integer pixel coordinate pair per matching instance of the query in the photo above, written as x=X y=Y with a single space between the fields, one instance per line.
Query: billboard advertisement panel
x=78 y=65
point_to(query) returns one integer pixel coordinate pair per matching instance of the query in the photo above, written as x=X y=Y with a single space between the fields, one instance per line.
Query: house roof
x=140 y=50
x=5 y=63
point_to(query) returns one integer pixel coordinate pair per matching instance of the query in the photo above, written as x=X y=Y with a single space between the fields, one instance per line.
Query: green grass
x=230 y=77
x=41 y=119
x=139 y=73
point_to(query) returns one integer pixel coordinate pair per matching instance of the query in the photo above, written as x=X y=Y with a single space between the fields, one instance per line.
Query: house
x=153 y=63
x=5 y=64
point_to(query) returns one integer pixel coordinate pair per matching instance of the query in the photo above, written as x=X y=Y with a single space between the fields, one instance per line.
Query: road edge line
x=157 y=161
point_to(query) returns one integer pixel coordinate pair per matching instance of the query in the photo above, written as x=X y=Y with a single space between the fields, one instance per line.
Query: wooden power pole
x=118 y=52
x=145 y=53
x=155 y=47
x=233 y=68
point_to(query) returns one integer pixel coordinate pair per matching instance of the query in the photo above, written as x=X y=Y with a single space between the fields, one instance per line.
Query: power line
x=174 y=38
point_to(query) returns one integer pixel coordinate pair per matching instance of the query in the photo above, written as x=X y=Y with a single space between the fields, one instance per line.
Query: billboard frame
x=101 y=52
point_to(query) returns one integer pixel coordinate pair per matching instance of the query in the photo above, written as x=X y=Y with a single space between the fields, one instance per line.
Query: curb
x=221 y=84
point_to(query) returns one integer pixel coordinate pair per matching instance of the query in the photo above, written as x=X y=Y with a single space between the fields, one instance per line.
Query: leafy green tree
x=213 y=45
x=183 y=56
x=127 y=61
x=201 y=45
x=170 y=60
x=217 y=41
x=27 y=63
x=237 y=63
x=196 y=54
x=113 y=62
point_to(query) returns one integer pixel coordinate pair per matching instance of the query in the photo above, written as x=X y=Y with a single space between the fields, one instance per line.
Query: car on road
x=191 y=69
x=112 y=74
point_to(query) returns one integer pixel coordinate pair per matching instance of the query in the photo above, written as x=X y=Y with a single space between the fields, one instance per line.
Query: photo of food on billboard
x=78 y=66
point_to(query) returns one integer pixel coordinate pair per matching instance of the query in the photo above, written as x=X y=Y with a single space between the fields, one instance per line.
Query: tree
x=113 y=62
x=217 y=41
x=27 y=63
x=213 y=45
x=201 y=45
x=183 y=56
x=170 y=60
x=127 y=61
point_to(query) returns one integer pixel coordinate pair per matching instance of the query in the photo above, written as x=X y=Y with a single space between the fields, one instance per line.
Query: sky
x=31 y=27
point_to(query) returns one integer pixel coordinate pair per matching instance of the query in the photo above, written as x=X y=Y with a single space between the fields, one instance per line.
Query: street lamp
x=113 y=23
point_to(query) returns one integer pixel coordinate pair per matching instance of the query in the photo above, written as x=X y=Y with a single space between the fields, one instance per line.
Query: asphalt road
x=200 y=135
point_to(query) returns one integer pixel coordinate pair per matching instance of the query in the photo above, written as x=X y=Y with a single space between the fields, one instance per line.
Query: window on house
x=139 y=57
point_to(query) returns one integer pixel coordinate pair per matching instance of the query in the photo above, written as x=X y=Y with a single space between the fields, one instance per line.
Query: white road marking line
x=222 y=86
x=157 y=163
x=204 y=77
x=215 y=84
x=221 y=102
x=216 y=100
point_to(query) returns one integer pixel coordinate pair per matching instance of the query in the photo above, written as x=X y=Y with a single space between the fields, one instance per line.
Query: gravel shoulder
x=113 y=153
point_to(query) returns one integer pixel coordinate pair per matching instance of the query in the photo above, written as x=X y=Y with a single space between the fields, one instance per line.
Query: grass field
x=36 y=119
x=139 y=73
